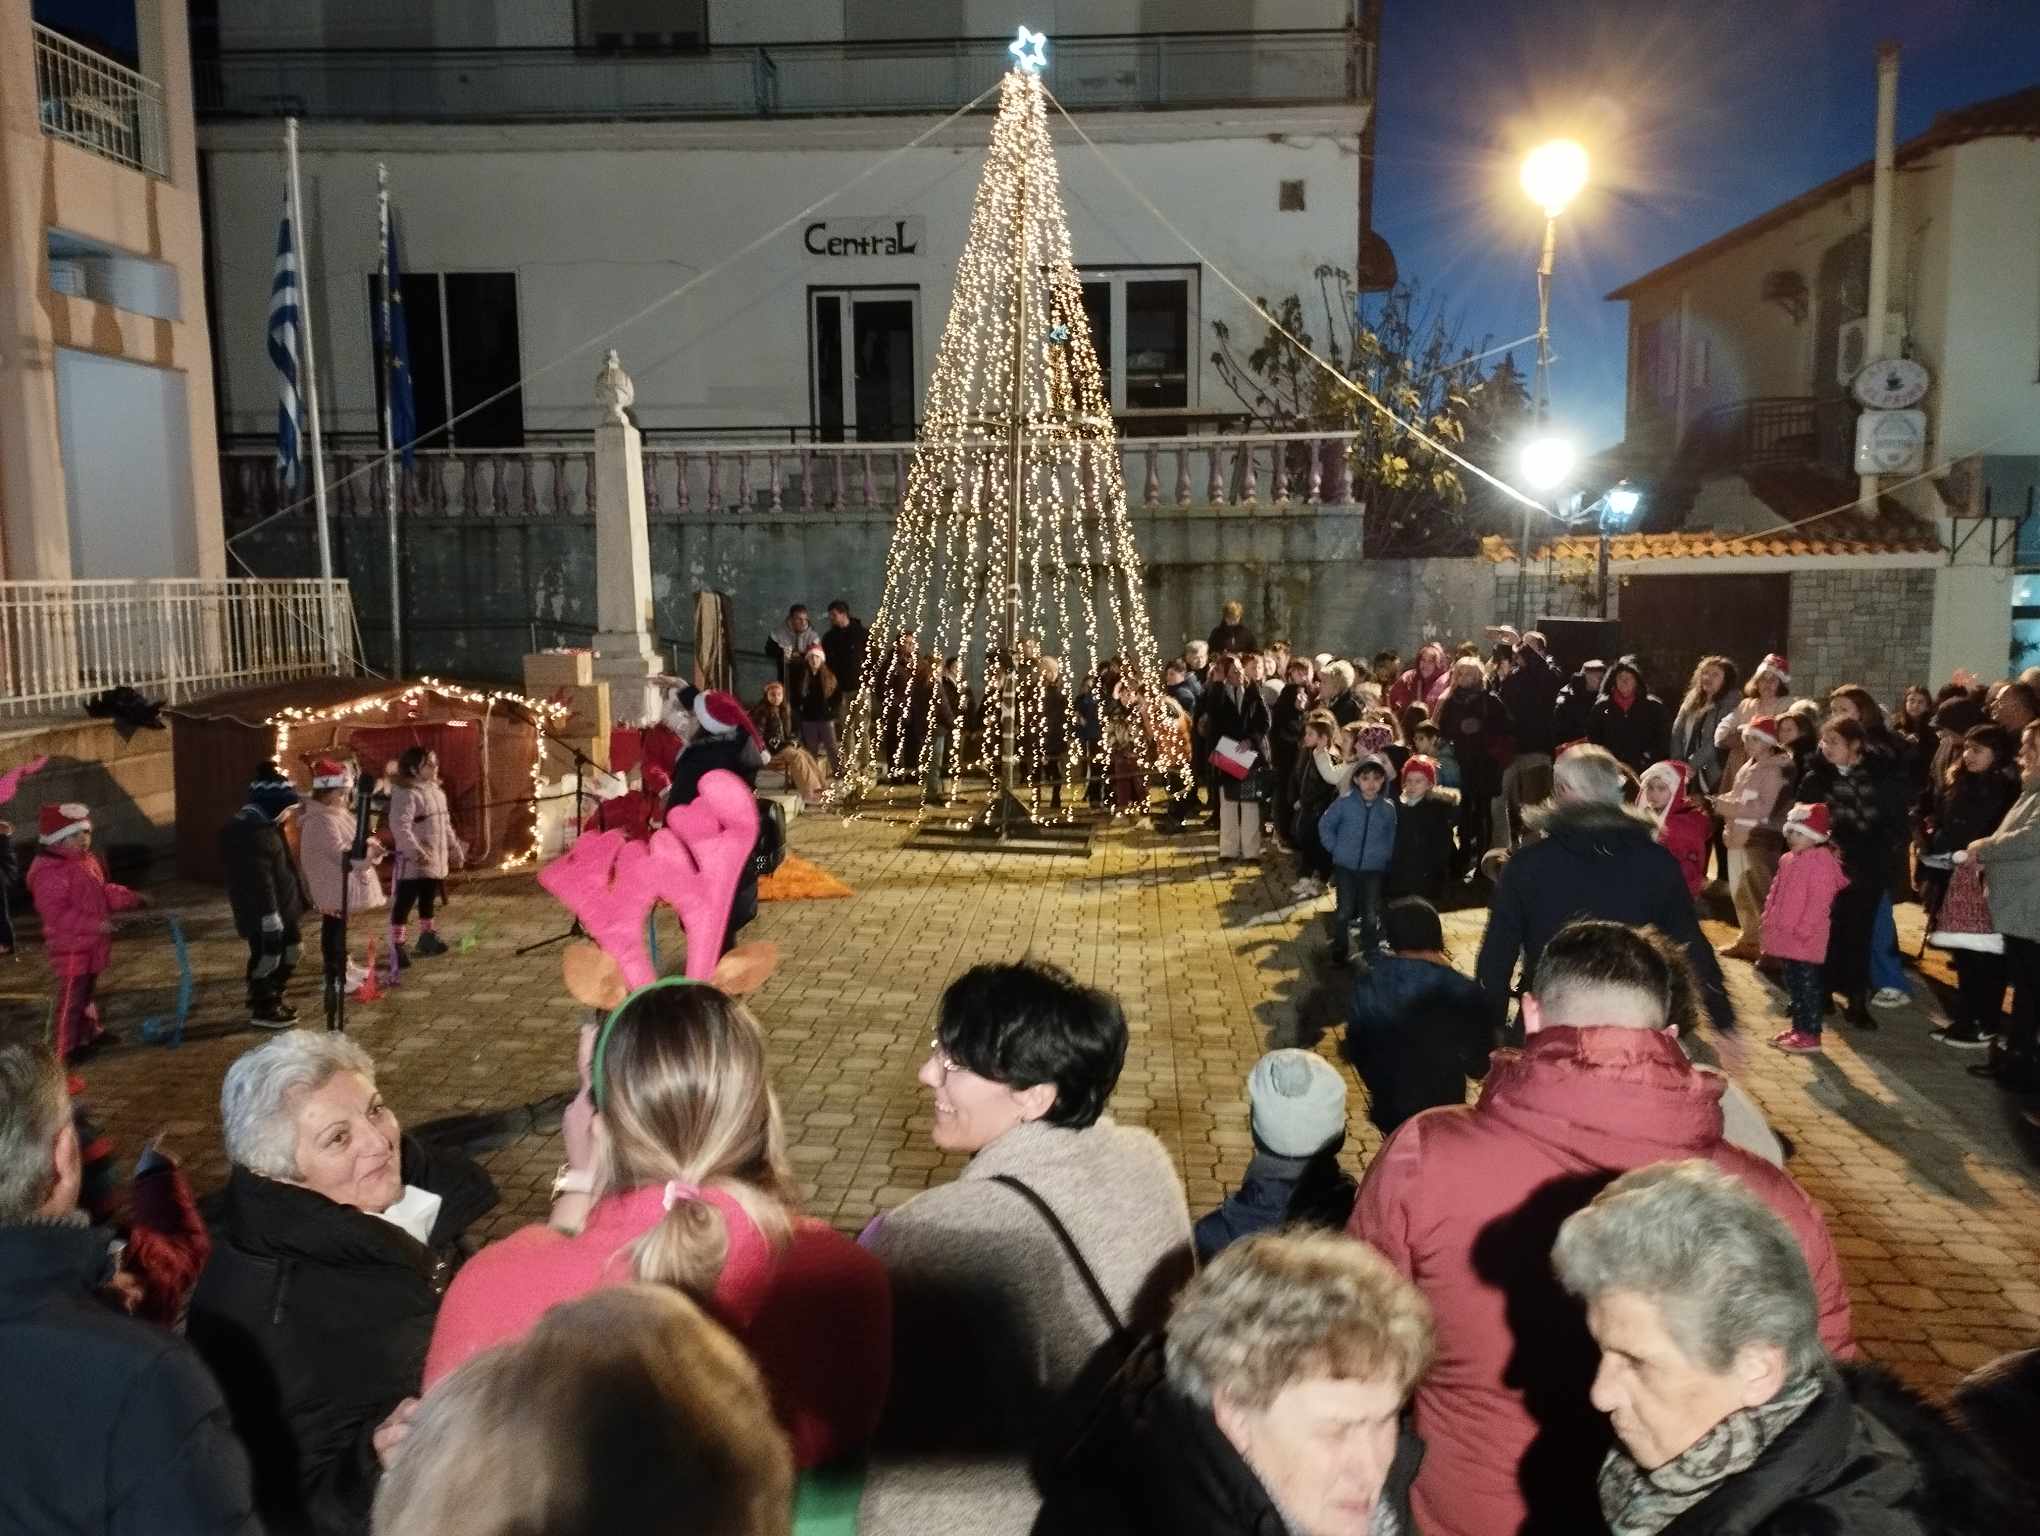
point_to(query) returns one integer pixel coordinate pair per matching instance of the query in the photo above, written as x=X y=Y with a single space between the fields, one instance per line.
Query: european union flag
x=396 y=346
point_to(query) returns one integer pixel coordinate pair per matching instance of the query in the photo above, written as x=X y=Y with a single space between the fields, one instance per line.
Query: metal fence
x=791 y=80
x=87 y=99
x=766 y=479
x=61 y=642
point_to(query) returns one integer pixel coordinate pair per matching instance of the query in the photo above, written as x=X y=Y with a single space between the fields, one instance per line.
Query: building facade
x=1742 y=352
x=108 y=454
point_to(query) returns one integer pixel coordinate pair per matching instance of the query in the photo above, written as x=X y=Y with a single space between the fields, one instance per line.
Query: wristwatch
x=572 y=1181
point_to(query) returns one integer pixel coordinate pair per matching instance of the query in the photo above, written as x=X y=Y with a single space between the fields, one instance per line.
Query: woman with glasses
x=1061 y=1234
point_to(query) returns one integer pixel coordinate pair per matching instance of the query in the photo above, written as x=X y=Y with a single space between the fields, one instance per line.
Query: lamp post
x=1552 y=175
x=1617 y=507
x=1546 y=463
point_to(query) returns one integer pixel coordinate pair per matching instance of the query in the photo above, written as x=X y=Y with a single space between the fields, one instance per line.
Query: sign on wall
x=889 y=235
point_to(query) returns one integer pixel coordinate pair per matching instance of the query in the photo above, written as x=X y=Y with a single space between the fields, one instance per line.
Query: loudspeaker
x=1575 y=641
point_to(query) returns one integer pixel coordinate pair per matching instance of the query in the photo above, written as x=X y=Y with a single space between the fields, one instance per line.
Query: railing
x=61 y=642
x=790 y=79
x=1771 y=429
x=85 y=98
x=767 y=479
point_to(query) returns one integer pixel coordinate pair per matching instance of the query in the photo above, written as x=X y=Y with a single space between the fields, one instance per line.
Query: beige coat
x=421 y=826
x=991 y=1320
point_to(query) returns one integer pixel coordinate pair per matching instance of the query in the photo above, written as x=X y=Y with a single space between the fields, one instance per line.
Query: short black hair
x=839 y=606
x=1030 y=1023
x=796 y=608
x=413 y=758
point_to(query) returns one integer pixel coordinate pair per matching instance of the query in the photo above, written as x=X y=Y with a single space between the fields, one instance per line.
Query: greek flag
x=396 y=344
x=283 y=351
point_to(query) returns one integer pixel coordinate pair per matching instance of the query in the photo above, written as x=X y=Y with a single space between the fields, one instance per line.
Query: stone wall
x=1863 y=626
x=126 y=782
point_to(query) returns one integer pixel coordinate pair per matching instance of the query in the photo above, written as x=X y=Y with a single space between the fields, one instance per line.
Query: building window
x=1144 y=322
x=1290 y=198
x=641 y=26
x=864 y=348
x=462 y=329
x=1656 y=383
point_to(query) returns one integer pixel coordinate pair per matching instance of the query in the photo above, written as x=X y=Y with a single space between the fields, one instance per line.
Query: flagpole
x=311 y=395
x=382 y=201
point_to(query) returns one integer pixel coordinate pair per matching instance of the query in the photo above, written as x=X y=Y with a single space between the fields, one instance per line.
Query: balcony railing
x=1771 y=429
x=790 y=80
x=817 y=480
x=61 y=642
x=85 y=98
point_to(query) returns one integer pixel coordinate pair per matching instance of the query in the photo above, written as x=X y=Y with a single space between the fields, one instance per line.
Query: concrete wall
x=599 y=221
x=1867 y=627
x=127 y=784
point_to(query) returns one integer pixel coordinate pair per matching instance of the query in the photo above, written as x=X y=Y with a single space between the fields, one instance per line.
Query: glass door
x=863 y=361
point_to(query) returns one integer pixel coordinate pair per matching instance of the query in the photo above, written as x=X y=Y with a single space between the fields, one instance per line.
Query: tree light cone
x=1014 y=483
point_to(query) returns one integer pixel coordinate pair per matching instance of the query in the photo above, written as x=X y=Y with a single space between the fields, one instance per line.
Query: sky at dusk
x=1698 y=117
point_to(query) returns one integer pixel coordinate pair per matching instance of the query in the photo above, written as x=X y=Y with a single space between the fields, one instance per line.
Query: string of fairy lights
x=544 y=714
x=1011 y=354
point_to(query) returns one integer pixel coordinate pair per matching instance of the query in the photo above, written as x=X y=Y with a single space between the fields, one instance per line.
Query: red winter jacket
x=1685 y=829
x=76 y=903
x=1467 y=1201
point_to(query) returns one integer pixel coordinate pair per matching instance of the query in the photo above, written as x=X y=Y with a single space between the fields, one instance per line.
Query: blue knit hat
x=271 y=792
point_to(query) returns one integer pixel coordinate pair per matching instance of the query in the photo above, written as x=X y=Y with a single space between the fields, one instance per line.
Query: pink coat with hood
x=1802 y=900
x=76 y=903
x=1466 y=1201
x=1413 y=688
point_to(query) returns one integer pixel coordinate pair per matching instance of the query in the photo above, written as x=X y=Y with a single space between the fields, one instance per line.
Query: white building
x=1740 y=357
x=560 y=169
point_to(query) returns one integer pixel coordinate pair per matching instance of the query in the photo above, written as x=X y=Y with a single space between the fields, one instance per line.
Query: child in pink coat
x=1684 y=827
x=76 y=903
x=1796 y=920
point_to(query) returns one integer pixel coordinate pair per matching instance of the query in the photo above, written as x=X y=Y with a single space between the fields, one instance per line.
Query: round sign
x=1890 y=442
x=1891 y=385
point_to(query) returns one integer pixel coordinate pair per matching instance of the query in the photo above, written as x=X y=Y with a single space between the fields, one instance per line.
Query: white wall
x=126 y=435
x=1987 y=383
x=601 y=220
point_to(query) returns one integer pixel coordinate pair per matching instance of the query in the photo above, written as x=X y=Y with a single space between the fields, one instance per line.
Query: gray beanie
x=1299 y=1102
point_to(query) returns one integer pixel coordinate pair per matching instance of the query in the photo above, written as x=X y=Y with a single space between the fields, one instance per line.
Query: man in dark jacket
x=1629 y=720
x=1575 y=702
x=843 y=644
x=1591 y=857
x=113 y=1426
x=267 y=891
x=1531 y=695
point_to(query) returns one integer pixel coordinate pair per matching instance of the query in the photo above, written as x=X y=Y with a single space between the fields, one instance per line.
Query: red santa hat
x=1422 y=767
x=723 y=714
x=1764 y=728
x=58 y=823
x=331 y=773
x=1809 y=821
x=1777 y=665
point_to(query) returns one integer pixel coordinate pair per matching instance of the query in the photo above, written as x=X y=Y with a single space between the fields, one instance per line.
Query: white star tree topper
x=1030 y=51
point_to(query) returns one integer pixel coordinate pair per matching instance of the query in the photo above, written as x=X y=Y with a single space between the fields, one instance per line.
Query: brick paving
x=1927 y=1176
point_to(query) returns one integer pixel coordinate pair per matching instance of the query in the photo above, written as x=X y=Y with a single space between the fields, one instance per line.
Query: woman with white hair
x=1273 y=1402
x=332 y=1244
x=1729 y=1415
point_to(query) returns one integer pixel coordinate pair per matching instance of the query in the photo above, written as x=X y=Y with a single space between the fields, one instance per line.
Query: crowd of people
x=1592 y=1298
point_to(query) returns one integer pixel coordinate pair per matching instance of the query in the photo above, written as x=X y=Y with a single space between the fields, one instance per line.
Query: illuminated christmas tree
x=1013 y=539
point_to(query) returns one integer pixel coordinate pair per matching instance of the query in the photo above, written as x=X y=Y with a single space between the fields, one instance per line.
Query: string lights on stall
x=544 y=715
x=1013 y=541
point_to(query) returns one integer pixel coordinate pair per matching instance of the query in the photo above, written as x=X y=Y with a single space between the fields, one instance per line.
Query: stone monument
x=626 y=643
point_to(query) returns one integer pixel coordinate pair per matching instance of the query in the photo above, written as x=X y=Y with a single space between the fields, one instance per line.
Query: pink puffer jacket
x=76 y=903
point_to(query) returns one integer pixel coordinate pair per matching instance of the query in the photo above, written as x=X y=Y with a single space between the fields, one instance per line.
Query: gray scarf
x=1639 y=1503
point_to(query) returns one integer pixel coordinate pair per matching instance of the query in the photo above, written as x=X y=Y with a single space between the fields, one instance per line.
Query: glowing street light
x=1546 y=462
x=1554 y=174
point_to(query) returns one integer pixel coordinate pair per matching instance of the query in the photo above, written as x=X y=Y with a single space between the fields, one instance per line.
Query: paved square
x=1926 y=1175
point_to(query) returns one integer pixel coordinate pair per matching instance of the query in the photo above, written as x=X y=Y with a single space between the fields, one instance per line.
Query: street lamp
x=1546 y=462
x=1553 y=175
x=1616 y=508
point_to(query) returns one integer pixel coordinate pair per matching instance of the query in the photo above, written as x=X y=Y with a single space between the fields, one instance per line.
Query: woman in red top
x=677 y=1174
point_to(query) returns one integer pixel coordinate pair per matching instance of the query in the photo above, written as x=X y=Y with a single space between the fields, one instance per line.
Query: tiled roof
x=2003 y=117
x=1799 y=495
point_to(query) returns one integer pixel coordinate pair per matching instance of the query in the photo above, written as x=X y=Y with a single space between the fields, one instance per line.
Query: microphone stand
x=574 y=929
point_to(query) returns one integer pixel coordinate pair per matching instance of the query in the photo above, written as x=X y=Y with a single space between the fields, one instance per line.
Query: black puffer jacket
x=113 y=1427
x=315 y=1317
x=1531 y=694
x=738 y=754
x=262 y=877
x=1638 y=735
x=1153 y=1463
x=1868 y=1458
x=1590 y=861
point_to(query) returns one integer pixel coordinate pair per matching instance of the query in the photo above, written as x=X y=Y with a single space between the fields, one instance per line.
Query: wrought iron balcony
x=1148 y=70
x=87 y=99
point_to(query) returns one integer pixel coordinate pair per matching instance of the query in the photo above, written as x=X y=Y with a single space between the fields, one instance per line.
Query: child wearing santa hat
x=323 y=843
x=1422 y=862
x=76 y=903
x=1798 y=914
x=1683 y=827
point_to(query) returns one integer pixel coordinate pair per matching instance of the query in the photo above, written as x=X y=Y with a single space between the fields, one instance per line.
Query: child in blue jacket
x=1359 y=833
